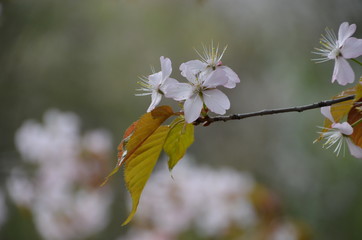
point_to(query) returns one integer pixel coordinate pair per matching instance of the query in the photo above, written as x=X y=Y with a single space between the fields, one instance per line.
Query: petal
x=155 y=79
x=190 y=76
x=355 y=150
x=216 y=101
x=215 y=78
x=192 y=108
x=345 y=31
x=232 y=77
x=352 y=48
x=179 y=91
x=166 y=67
x=167 y=83
x=342 y=72
x=326 y=111
x=345 y=128
x=156 y=98
x=194 y=66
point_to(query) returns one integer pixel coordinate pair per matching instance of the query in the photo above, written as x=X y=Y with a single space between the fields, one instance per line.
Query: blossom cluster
x=200 y=93
x=339 y=129
x=62 y=190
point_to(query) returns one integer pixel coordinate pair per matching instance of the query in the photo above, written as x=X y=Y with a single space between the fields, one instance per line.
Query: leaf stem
x=356 y=122
x=356 y=61
x=208 y=120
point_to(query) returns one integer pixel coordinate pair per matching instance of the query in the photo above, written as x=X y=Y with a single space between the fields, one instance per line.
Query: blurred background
x=68 y=74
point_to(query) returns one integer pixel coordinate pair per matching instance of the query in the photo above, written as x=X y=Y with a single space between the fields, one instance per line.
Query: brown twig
x=208 y=120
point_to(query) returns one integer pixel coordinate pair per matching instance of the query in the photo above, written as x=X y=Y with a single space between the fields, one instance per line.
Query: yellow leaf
x=340 y=110
x=122 y=151
x=146 y=125
x=358 y=88
x=137 y=133
x=140 y=164
x=180 y=137
x=354 y=116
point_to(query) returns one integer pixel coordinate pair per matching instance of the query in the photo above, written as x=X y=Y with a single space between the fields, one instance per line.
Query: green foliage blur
x=86 y=57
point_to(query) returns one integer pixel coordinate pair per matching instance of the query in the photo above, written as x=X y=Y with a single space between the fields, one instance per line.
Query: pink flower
x=155 y=84
x=345 y=47
x=200 y=90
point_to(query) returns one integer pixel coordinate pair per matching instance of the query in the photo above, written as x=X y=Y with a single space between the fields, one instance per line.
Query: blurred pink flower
x=63 y=191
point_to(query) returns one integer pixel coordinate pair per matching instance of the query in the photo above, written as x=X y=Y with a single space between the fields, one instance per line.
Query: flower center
x=335 y=53
x=160 y=91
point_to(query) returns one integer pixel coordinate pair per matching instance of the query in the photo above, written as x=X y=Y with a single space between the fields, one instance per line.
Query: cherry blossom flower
x=200 y=90
x=156 y=83
x=339 y=49
x=339 y=134
x=211 y=61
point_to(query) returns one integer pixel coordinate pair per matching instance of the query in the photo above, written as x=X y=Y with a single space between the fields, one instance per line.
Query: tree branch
x=208 y=120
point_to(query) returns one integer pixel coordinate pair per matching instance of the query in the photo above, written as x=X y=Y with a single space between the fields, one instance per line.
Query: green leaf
x=140 y=164
x=179 y=139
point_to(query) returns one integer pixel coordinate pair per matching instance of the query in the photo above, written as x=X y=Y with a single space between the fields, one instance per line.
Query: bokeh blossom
x=210 y=203
x=62 y=192
x=3 y=208
x=340 y=49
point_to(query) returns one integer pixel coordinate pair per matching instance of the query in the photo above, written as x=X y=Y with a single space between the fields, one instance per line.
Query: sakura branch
x=208 y=120
x=200 y=94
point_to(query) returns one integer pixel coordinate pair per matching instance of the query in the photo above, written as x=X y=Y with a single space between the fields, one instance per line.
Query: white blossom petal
x=232 y=77
x=166 y=67
x=342 y=72
x=156 y=98
x=215 y=78
x=326 y=111
x=355 y=150
x=193 y=66
x=179 y=91
x=345 y=31
x=216 y=101
x=352 y=48
x=169 y=82
x=192 y=108
x=155 y=79
x=345 y=128
x=190 y=76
